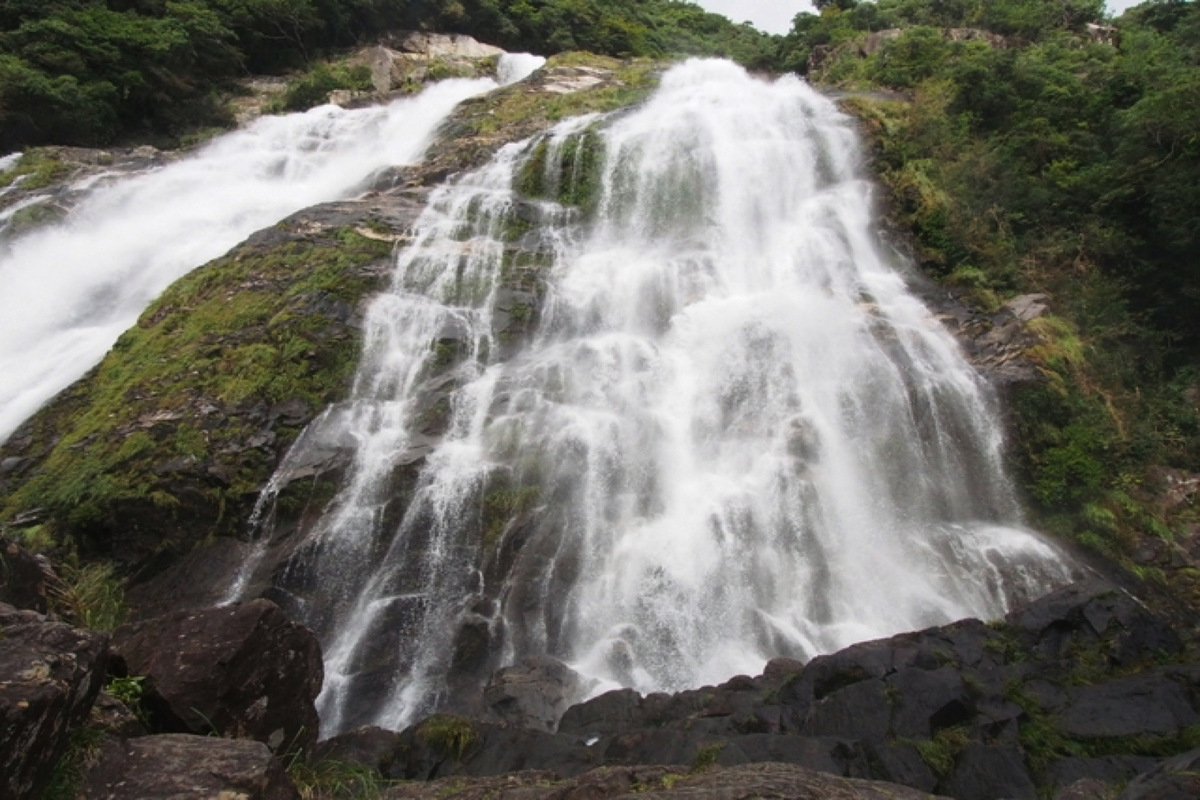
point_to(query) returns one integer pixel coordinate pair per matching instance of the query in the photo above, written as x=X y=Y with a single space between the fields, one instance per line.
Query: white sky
x=775 y=16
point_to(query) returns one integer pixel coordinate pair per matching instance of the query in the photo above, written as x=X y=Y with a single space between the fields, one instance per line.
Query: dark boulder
x=1155 y=703
x=371 y=747
x=183 y=767
x=969 y=709
x=900 y=762
x=243 y=670
x=447 y=745
x=861 y=710
x=1085 y=789
x=606 y=715
x=200 y=579
x=115 y=718
x=24 y=577
x=532 y=694
x=983 y=772
x=1175 y=779
x=659 y=746
x=927 y=701
x=50 y=674
x=1094 y=615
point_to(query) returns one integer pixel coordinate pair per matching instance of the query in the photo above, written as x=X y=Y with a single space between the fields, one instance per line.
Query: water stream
x=666 y=412
x=71 y=289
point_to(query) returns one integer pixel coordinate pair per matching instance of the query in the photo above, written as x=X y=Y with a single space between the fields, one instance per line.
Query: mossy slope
x=167 y=441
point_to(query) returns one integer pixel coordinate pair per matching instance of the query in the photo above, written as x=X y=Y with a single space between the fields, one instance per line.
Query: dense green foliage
x=1057 y=161
x=652 y=28
x=95 y=71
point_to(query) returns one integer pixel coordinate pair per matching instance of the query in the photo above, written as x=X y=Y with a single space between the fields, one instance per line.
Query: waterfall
x=71 y=289
x=648 y=395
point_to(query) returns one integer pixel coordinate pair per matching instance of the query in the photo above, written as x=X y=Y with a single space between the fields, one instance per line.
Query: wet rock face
x=532 y=694
x=969 y=710
x=244 y=671
x=187 y=768
x=49 y=675
x=997 y=343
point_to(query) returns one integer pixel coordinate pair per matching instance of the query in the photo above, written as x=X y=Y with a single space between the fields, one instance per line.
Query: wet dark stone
x=472 y=646
x=609 y=714
x=927 y=701
x=861 y=710
x=1147 y=703
x=12 y=464
x=983 y=772
x=532 y=694
x=899 y=762
x=489 y=750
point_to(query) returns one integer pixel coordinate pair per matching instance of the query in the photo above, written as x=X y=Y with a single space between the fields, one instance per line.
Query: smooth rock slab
x=640 y=783
x=245 y=671
x=50 y=674
x=183 y=767
x=1149 y=703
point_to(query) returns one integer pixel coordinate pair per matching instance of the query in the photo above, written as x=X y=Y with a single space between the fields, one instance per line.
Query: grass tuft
x=336 y=780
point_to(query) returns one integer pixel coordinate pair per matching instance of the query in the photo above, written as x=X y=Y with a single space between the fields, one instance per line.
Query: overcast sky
x=775 y=16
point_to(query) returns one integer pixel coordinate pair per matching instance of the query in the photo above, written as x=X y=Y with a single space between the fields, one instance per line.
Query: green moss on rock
x=570 y=84
x=169 y=438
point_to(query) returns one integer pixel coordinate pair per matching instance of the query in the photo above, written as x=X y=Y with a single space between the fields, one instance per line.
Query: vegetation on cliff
x=92 y=72
x=1028 y=153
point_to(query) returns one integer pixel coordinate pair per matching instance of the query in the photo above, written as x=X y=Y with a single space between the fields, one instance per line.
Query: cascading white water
x=70 y=290
x=734 y=435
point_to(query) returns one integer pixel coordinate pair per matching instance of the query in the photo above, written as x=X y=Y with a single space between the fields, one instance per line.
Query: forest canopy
x=92 y=72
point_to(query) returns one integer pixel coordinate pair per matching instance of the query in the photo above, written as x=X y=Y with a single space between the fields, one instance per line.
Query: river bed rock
x=183 y=767
x=244 y=671
x=634 y=783
x=49 y=675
